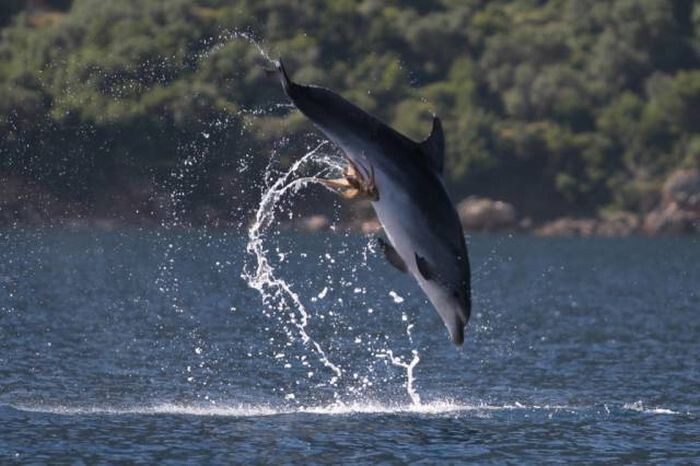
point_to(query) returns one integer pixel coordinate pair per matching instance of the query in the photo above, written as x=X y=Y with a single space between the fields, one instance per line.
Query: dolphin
x=404 y=181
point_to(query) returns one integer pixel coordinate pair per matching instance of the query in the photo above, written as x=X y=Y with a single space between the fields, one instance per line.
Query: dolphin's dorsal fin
x=392 y=256
x=434 y=146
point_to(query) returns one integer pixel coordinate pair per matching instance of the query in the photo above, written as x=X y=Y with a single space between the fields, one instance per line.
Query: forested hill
x=560 y=106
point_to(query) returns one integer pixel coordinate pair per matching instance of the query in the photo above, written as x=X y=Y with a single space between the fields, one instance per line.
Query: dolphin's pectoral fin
x=424 y=268
x=434 y=146
x=392 y=256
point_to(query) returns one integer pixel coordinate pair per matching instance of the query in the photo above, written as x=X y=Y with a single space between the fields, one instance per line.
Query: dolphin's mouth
x=365 y=179
x=357 y=182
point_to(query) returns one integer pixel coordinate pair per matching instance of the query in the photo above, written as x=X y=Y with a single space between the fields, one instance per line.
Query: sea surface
x=150 y=346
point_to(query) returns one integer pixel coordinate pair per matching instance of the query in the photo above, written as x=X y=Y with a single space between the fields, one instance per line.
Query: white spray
x=275 y=291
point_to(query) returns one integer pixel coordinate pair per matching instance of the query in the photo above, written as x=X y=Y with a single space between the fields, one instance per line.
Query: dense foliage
x=558 y=106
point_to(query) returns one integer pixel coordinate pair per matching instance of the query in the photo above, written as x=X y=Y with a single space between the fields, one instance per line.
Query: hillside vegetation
x=559 y=106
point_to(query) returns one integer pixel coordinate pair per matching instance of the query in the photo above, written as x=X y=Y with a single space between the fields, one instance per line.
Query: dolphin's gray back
x=356 y=132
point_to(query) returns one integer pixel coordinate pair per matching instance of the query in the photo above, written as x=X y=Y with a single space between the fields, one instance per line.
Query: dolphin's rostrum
x=404 y=181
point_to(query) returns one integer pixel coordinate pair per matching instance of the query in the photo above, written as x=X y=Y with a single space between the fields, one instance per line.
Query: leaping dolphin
x=403 y=179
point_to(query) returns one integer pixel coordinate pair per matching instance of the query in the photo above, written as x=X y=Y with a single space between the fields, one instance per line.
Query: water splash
x=255 y=44
x=280 y=300
x=276 y=293
x=226 y=36
x=409 y=366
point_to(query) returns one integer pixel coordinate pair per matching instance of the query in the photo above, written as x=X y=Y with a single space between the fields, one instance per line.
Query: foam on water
x=242 y=410
x=640 y=408
x=432 y=408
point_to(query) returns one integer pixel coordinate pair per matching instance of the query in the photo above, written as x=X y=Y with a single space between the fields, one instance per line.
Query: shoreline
x=563 y=227
x=27 y=205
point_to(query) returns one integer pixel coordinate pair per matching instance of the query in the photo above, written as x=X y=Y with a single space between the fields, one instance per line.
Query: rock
x=369 y=227
x=613 y=224
x=483 y=214
x=679 y=211
x=618 y=224
x=365 y=225
x=683 y=189
x=671 y=220
x=567 y=226
x=525 y=224
x=313 y=223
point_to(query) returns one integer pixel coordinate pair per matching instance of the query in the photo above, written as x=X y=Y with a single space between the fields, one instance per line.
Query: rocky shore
x=23 y=204
x=677 y=213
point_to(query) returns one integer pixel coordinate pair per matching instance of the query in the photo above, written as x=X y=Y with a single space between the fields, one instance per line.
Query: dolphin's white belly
x=403 y=223
x=410 y=234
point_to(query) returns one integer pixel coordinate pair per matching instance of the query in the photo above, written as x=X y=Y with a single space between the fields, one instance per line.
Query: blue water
x=148 y=346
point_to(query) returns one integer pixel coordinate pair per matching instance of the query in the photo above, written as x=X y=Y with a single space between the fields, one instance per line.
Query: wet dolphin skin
x=403 y=179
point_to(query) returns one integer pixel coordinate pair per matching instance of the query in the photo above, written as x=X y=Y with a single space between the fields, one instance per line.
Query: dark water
x=150 y=347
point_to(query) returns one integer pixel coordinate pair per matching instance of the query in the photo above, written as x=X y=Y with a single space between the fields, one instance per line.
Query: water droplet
x=395 y=296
